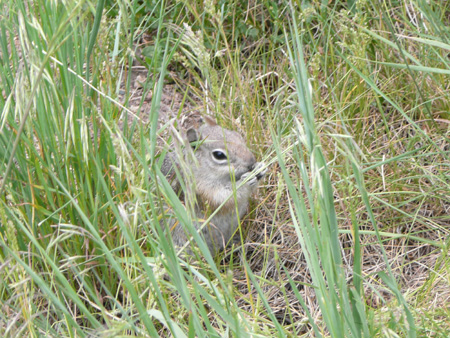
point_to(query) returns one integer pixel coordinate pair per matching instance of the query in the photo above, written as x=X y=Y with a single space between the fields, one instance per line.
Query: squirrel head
x=221 y=155
x=220 y=150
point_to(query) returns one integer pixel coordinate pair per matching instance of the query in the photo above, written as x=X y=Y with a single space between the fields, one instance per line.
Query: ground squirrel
x=221 y=157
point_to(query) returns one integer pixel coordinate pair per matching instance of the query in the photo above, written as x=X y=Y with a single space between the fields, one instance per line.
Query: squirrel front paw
x=252 y=181
x=261 y=171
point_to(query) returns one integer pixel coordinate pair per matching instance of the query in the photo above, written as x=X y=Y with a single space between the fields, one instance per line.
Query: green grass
x=349 y=107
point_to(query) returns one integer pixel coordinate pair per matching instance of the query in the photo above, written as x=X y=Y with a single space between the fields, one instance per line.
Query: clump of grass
x=347 y=102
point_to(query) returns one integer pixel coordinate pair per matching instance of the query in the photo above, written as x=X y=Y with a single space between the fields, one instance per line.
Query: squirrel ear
x=210 y=121
x=192 y=135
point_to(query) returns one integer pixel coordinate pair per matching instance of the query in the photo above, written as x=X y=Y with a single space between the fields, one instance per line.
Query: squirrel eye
x=219 y=155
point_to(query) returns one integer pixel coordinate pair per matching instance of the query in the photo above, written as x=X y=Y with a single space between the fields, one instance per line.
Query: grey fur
x=213 y=182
